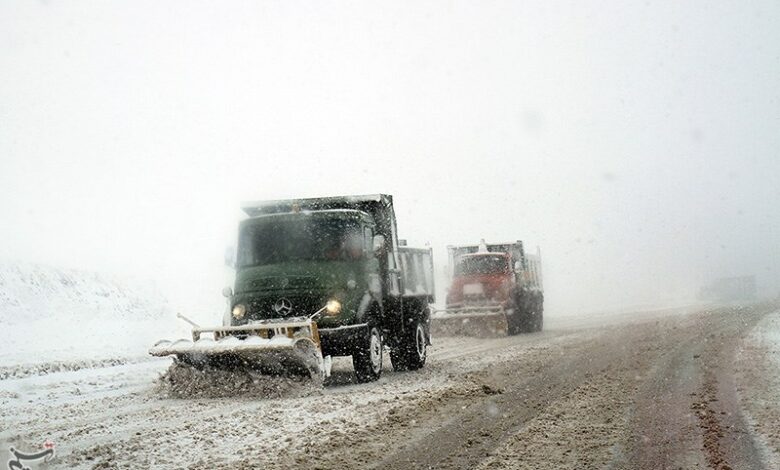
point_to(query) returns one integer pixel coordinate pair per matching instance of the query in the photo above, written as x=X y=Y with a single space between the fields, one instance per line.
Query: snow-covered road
x=107 y=414
x=578 y=395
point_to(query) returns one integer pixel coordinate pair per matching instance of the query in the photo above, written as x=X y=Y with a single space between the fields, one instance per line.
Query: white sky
x=636 y=142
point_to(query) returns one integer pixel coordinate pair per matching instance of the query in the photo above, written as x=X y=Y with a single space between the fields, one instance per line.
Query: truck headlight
x=333 y=306
x=239 y=311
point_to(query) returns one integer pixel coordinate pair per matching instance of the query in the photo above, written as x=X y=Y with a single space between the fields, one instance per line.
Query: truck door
x=393 y=300
x=374 y=275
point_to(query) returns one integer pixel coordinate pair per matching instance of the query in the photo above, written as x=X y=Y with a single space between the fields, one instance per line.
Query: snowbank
x=55 y=315
x=758 y=366
x=31 y=292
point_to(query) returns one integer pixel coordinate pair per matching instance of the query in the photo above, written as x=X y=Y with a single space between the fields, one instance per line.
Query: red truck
x=495 y=289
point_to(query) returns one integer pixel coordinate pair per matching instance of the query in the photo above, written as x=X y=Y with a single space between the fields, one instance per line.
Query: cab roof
x=341 y=213
x=255 y=208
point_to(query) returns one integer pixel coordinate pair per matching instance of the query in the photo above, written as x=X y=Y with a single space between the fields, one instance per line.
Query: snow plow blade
x=274 y=347
x=480 y=322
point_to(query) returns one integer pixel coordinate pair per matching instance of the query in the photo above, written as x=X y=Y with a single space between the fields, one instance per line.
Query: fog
x=636 y=143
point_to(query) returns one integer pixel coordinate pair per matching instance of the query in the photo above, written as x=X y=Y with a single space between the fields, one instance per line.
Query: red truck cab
x=481 y=280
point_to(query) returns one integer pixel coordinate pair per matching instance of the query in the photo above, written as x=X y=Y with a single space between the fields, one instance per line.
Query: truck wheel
x=412 y=351
x=514 y=320
x=533 y=325
x=511 y=323
x=367 y=359
x=524 y=321
x=525 y=325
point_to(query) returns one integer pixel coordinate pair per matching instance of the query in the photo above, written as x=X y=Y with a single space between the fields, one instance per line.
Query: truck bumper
x=340 y=341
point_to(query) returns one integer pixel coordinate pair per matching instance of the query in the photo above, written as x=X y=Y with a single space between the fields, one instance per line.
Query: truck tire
x=514 y=322
x=511 y=323
x=535 y=323
x=526 y=323
x=412 y=350
x=524 y=320
x=367 y=358
x=532 y=315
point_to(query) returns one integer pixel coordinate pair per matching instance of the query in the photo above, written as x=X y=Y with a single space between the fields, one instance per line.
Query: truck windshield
x=488 y=264
x=306 y=238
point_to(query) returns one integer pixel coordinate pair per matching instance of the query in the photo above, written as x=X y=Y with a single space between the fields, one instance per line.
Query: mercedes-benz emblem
x=283 y=306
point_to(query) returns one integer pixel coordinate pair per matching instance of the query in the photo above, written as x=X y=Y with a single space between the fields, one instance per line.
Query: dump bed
x=417 y=272
x=533 y=271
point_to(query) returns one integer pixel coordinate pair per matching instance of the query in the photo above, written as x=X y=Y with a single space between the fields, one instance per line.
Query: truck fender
x=366 y=306
x=418 y=310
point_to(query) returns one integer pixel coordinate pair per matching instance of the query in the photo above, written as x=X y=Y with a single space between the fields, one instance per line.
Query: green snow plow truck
x=317 y=278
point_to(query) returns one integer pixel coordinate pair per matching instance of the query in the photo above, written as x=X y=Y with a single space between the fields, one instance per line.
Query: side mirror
x=227 y=292
x=230 y=257
x=518 y=266
x=379 y=243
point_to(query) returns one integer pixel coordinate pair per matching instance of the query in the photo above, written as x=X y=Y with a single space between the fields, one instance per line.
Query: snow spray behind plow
x=187 y=381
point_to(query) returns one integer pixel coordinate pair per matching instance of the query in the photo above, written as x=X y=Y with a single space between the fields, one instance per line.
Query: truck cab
x=482 y=279
x=289 y=265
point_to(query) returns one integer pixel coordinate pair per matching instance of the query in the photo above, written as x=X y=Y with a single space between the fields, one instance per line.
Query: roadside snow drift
x=65 y=317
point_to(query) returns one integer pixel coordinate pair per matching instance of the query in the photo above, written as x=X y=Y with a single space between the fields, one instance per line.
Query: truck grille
x=302 y=305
